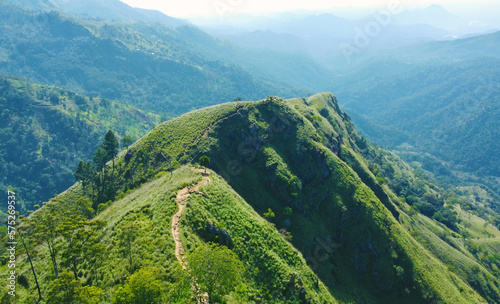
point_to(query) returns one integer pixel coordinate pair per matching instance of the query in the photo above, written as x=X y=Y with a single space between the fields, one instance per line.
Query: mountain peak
x=436 y=7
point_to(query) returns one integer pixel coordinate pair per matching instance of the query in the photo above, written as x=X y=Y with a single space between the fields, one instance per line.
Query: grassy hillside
x=268 y=159
x=268 y=265
x=295 y=193
x=45 y=131
x=283 y=171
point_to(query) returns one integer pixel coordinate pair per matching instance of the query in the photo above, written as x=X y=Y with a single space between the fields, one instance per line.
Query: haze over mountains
x=441 y=97
x=108 y=10
x=292 y=193
x=322 y=35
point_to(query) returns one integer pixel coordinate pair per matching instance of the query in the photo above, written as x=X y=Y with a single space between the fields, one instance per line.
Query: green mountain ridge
x=307 y=209
x=301 y=164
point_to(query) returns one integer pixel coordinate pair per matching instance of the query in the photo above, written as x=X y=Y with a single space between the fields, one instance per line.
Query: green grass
x=270 y=155
x=269 y=259
x=149 y=210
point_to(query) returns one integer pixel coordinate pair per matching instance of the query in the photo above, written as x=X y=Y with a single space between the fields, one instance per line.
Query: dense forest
x=45 y=131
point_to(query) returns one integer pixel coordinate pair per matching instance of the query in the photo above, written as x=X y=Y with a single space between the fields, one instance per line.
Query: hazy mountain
x=144 y=64
x=108 y=10
x=35 y=5
x=442 y=96
x=437 y=16
x=270 y=40
x=323 y=35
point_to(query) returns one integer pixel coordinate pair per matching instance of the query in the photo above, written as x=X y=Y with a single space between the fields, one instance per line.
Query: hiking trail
x=181 y=200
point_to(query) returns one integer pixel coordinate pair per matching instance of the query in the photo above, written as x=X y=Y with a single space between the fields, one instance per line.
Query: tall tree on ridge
x=111 y=146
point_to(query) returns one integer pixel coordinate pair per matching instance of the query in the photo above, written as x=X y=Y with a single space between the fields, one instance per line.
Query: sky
x=220 y=8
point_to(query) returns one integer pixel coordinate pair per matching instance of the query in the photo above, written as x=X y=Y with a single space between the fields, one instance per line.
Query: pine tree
x=99 y=159
x=111 y=146
x=84 y=172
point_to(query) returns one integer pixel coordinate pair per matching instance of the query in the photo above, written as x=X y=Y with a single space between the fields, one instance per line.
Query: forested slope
x=45 y=131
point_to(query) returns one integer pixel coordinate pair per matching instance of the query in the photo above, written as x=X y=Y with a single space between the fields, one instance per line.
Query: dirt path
x=181 y=199
x=182 y=196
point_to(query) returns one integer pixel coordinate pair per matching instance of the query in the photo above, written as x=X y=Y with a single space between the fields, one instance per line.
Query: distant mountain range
x=112 y=10
x=440 y=97
x=322 y=35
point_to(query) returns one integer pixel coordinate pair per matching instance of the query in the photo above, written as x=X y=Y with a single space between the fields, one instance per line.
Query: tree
x=23 y=231
x=127 y=141
x=90 y=295
x=216 y=269
x=54 y=98
x=111 y=146
x=126 y=237
x=294 y=186
x=68 y=291
x=95 y=258
x=45 y=224
x=174 y=165
x=63 y=289
x=400 y=272
x=287 y=212
x=79 y=172
x=84 y=172
x=107 y=151
x=31 y=265
x=269 y=214
x=80 y=238
x=205 y=162
x=100 y=158
x=142 y=287
x=181 y=290
x=449 y=217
